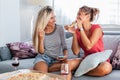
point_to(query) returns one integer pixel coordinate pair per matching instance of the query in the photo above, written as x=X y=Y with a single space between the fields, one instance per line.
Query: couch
x=110 y=42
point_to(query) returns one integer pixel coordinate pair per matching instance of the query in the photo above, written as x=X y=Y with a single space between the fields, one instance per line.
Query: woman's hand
x=62 y=58
x=41 y=34
x=79 y=23
x=70 y=29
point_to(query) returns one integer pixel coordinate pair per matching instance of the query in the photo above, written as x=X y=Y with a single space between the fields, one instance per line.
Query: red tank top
x=98 y=47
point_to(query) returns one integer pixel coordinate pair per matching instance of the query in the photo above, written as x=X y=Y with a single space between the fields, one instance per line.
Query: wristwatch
x=81 y=29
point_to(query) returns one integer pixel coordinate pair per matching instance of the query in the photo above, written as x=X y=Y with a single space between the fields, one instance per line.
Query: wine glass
x=15 y=62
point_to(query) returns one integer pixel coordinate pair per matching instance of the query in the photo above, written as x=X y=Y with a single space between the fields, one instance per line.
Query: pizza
x=73 y=24
x=32 y=76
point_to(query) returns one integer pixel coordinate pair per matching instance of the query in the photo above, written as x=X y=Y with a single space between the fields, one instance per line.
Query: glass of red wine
x=15 y=62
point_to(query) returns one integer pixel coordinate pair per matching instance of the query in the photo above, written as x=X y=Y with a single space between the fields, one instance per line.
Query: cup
x=64 y=69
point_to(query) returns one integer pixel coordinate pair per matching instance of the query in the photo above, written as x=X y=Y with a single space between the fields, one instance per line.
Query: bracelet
x=81 y=29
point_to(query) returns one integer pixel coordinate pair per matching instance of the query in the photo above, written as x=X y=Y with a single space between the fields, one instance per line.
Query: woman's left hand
x=62 y=59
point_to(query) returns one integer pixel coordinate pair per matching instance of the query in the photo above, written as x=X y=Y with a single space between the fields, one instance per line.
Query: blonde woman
x=49 y=42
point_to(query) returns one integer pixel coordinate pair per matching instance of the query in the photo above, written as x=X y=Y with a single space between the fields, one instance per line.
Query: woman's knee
x=36 y=66
x=73 y=64
x=105 y=68
x=41 y=66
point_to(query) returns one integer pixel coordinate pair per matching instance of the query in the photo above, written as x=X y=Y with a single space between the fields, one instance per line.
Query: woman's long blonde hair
x=43 y=17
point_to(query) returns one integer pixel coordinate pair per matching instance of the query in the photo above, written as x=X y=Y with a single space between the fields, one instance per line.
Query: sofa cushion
x=114 y=75
x=92 y=61
x=116 y=59
x=6 y=66
x=69 y=44
x=68 y=34
x=22 y=50
x=111 y=42
x=0 y=58
x=5 y=53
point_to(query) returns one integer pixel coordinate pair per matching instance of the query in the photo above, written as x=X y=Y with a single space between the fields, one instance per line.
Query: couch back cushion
x=0 y=58
x=70 y=53
x=5 y=53
x=111 y=42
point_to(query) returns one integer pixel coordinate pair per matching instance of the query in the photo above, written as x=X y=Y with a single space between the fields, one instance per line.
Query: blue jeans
x=45 y=58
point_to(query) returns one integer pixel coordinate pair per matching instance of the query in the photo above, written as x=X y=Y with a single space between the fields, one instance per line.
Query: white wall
x=9 y=21
x=28 y=12
x=16 y=17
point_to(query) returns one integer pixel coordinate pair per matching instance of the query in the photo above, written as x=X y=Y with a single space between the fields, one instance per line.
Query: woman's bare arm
x=75 y=46
x=41 y=42
x=90 y=42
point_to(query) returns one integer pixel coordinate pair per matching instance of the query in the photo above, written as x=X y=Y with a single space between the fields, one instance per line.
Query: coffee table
x=7 y=75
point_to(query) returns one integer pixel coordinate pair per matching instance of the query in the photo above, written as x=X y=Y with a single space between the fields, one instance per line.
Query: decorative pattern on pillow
x=116 y=59
x=22 y=50
x=92 y=61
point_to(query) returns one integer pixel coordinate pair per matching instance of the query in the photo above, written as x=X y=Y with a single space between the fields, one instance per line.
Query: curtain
x=66 y=10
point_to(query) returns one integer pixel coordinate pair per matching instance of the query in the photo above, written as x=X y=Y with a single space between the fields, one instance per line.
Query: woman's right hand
x=41 y=34
x=70 y=29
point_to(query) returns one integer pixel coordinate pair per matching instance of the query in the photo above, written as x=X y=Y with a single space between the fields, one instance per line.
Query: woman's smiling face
x=52 y=20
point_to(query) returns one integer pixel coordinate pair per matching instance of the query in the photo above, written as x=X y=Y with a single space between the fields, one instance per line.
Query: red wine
x=15 y=64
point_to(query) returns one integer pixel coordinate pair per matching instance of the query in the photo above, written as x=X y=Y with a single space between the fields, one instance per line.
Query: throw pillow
x=116 y=59
x=22 y=50
x=5 y=53
x=92 y=61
